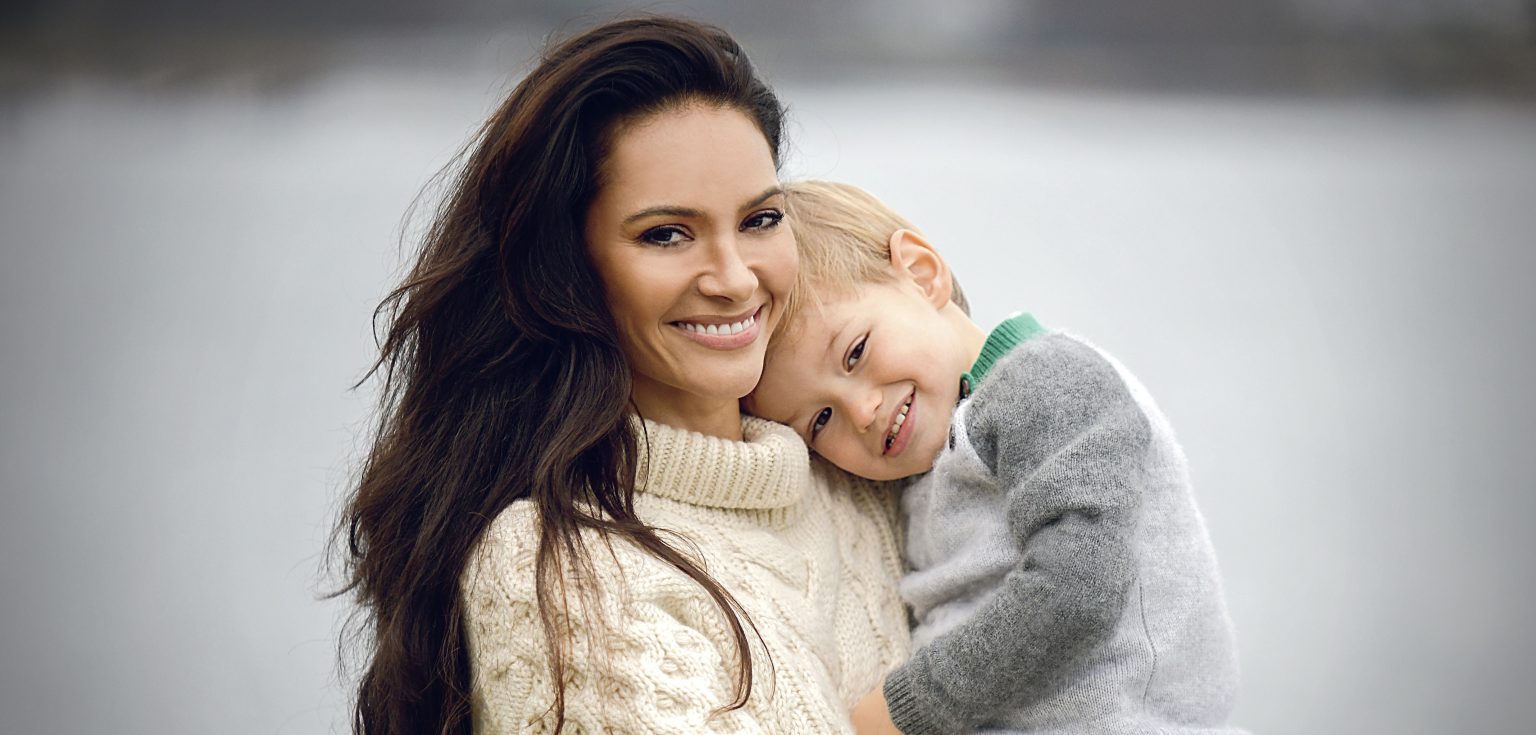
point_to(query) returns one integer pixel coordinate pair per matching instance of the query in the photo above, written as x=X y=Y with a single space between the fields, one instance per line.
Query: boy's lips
x=894 y=445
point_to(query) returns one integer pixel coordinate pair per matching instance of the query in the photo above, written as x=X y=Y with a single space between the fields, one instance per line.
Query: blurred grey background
x=1306 y=224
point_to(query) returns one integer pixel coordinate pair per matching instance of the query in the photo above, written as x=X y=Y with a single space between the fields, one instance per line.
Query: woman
x=565 y=520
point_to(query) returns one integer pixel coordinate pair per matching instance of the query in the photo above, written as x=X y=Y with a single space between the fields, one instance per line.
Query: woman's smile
x=722 y=333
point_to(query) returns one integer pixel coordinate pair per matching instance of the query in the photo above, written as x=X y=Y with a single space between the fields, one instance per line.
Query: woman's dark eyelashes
x=822 y=417
x=764 y=220
x=665 y=236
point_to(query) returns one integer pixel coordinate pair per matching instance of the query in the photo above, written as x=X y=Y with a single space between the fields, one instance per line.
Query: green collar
x=1010 y=334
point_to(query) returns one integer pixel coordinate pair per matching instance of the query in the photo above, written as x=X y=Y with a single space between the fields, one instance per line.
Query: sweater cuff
x=909 y=715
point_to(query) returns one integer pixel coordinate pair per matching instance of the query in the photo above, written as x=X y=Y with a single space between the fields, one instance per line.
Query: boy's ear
x=914 y=258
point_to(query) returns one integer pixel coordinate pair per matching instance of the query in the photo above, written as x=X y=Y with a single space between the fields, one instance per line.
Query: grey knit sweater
x=1063 y=580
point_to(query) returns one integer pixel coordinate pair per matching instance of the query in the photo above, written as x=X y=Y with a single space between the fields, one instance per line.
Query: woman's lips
x=730 y=333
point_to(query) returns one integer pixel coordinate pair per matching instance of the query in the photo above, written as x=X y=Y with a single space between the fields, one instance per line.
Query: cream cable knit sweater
x=809 y=552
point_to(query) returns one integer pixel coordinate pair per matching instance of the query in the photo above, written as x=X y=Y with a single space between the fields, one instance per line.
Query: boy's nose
x=864 y=408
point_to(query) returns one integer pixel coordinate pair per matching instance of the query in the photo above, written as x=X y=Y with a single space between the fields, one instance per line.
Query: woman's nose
x=727 y=275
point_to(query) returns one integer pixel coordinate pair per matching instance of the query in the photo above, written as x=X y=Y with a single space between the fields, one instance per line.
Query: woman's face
x=687 y=235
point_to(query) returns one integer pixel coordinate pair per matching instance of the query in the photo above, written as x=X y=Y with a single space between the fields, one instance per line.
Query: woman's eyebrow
x=667 y=210
x=767 y=194
x=664 y=210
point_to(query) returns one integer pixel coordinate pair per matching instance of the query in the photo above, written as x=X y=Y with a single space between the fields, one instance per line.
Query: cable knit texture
x=808 y=551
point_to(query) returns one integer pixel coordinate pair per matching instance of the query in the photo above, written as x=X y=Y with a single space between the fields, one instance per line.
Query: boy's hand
x=870 y=715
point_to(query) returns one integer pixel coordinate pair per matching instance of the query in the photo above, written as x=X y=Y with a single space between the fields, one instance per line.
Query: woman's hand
x=870 y=715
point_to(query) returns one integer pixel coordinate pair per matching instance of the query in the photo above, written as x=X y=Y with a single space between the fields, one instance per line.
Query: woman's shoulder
x=827 y=479
x=506 y=555
x=504 y=562
x=858 y=507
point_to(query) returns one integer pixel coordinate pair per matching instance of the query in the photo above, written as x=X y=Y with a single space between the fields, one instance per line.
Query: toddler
x=1062 y=580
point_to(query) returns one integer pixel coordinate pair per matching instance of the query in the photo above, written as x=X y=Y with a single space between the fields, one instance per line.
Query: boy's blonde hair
x=844 y=235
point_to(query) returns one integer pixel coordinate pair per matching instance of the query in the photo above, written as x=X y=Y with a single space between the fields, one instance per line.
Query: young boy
x=1062 y=579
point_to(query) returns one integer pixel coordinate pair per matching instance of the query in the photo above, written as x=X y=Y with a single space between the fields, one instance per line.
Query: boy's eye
x=764 y=220
x=855 y=354
x=665 y=236
x=822 y=417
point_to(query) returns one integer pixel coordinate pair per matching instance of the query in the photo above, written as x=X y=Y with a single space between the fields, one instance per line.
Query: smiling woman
x=687 y=236
x=564 y=519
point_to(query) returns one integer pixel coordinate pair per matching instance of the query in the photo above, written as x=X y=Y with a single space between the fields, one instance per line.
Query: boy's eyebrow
x=831 y=340
x=835 y=338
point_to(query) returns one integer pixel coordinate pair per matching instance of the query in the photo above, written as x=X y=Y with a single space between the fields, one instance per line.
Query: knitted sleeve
x=1066 y=441
x=644 y=655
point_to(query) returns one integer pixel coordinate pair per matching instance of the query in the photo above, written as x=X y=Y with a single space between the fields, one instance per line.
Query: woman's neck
x=679 y=409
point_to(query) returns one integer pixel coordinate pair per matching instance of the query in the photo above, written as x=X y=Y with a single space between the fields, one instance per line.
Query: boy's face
x=868 y=380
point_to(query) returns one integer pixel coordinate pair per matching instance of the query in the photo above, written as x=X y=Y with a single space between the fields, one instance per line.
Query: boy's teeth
x=719 y=329
x=901 y=418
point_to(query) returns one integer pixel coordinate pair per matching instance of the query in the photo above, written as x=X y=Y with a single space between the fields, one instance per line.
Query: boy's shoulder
x=1049 y=385
x=1050 y=367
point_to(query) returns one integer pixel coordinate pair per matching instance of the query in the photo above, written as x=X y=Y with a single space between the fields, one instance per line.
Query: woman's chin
x=733 y=389
x=728 y=379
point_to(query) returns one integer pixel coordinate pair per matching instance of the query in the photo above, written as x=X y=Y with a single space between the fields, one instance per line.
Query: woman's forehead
x=696 y=152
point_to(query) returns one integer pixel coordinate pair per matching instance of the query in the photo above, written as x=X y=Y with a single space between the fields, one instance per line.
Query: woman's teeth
x=901 y=418
x=736 y=328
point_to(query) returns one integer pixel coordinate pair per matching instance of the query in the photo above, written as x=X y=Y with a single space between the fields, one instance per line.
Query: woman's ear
x=914 y=259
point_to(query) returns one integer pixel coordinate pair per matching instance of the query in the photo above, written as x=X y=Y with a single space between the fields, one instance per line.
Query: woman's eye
x=663 y=236
x=855 y=354
x=821 y=420
x=764 y=220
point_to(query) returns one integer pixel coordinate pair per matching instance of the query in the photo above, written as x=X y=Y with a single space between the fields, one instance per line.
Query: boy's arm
x=1066 y=441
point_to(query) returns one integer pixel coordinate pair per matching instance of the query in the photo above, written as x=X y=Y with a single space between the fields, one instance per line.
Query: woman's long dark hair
x=502 y=373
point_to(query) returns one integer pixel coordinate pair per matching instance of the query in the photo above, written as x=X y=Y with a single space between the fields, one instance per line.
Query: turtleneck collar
x=770 y=468
x=1011 y=333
